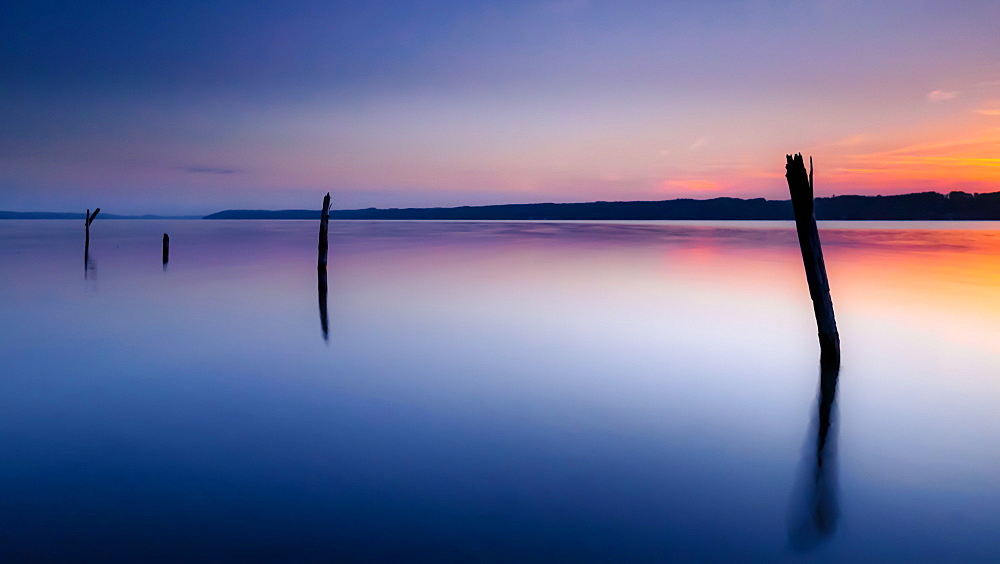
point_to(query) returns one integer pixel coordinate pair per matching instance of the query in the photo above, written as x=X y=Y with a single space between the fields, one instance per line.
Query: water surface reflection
x=324 y=319
x=507 y=391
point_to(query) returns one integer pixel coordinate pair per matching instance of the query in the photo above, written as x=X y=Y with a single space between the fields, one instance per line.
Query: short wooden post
x=800 y=186
x=166 y=249
x=89 y=218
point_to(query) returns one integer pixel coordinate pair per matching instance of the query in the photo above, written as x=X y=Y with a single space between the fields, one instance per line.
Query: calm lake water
x=496 y=391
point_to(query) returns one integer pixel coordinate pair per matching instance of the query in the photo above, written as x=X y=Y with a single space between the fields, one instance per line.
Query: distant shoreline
x=924 y=206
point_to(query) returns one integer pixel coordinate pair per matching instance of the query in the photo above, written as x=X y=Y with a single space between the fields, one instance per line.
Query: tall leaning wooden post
x=800 y=187
x=324 y=222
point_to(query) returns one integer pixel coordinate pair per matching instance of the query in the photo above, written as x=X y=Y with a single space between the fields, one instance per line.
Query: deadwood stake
x=800 y=187
x=324 y=222
x=166 y=249
x=89 y=218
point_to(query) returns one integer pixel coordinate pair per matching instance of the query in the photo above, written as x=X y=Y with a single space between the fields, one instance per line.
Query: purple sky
x=193 y=107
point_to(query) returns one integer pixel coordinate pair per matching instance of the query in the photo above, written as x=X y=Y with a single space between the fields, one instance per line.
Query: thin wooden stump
x=800 y=186
x=89 y=218
x=324 y=222
x=166 y=249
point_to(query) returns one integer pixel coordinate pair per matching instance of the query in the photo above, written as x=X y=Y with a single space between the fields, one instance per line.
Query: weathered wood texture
x=800 y=187
x=324 y=222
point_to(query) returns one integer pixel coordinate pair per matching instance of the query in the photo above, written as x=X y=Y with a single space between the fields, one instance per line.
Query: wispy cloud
x=966 y=90
x=968 y=159
x=699 y=144
x=208 y=170
x=990 y=108
x=981 y=146
x=849 y=141
x=969 y=91
x=941 y=95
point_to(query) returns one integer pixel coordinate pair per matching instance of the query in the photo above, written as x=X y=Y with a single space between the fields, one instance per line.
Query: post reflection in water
x=815 y=509
x=324 y=320
x=89 y=266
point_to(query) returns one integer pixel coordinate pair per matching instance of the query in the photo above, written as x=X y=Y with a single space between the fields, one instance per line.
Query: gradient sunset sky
x=192 y=107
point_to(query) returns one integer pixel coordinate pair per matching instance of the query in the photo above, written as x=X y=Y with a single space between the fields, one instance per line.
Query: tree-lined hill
x=920 y=206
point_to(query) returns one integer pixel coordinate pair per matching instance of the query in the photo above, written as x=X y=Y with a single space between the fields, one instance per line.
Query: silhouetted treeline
x=922 y=206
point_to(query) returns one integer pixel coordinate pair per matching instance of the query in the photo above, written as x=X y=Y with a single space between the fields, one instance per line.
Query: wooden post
x=800 y=186
x=324 y=222
x=166 y=249
x=89 y=218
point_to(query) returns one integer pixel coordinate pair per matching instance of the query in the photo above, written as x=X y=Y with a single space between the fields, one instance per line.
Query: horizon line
x=200 y=215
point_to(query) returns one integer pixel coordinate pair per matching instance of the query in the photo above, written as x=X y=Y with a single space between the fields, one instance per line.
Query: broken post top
x=90 y=216
x=324 y=219
x=800 y=184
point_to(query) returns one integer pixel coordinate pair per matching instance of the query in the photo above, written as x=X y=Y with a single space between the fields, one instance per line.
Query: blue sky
x=192 y=107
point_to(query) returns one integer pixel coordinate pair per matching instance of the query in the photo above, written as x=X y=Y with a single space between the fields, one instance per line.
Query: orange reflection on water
x=942 y=280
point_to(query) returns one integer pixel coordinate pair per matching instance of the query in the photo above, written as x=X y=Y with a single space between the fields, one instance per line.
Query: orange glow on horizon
x=692 y=185
x=969 y=163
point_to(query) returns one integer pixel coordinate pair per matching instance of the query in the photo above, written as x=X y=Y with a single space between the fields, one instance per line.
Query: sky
x=191 y=107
